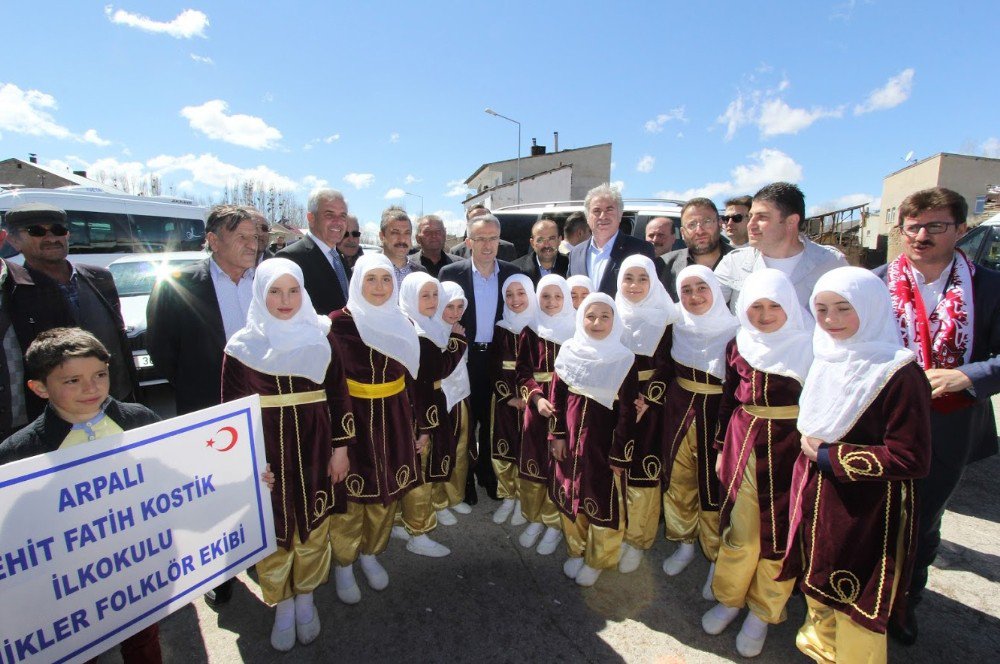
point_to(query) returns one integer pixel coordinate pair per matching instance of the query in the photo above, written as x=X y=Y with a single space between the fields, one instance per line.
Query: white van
x=104 y=226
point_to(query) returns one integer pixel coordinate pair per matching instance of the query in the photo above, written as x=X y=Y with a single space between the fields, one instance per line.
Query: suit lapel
x=205 y=292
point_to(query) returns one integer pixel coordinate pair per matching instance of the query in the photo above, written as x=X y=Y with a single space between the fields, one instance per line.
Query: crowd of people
x=801 y=422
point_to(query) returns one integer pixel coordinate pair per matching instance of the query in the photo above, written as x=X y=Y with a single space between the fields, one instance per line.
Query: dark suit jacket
x=671 y=263
x=321 y=281
x=625 y=246
x=461 y=274
x=185 y=336
x=505 y=252
x=529 y=266
x=971 y=433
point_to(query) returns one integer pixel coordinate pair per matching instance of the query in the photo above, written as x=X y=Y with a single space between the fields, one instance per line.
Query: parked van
x=104 y=226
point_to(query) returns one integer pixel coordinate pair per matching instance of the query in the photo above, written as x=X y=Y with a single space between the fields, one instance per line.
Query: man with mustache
x=544 y=257
x=430 y=238
x=350 y=246
x=396 y=236
x=702 y=234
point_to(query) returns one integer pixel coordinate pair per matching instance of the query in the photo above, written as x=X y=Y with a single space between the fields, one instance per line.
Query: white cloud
x=312 y=183
x=207 y=169
x=411 y=179
x=395 y=192
x=90 y=136
x=203 y=59
x=360 y=180
x=454 y=224
x=991 y=147
x=646 y=164
x=189 y=23
x=457 y=188
x=28 y=112
x=619 y=185
x=777 y=117
x=892 y=94
x=394 y=137
x=734 y=117
x=331 y=138
x=656 y=125
x=841 y=202
x=767 y=166
x=211 y=119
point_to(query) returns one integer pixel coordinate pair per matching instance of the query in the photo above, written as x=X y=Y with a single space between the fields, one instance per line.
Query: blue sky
x=698 y=98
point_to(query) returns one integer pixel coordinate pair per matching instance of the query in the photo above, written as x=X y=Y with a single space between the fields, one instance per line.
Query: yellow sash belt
x=773 y=412
x=645 y=375
x=375 y=390
x=292 y=399
x=509 y=365
x=543 y=376
x=699 y=388
x=437 y=385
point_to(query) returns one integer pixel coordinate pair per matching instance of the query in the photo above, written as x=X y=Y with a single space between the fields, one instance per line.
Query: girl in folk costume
x=450 y=495
x=691 y=501
x=580 y=286
x=506 y=405
x=646 y=312
x=595 y=389
x=284 y=354
x=539 y=344
x=381 y=355
x=865 y=439
x=758 y=444
x=421 y=300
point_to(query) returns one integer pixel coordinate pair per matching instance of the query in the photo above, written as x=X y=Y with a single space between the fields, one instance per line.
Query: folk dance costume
x=438 y=358
x=594 y=392
x=505 y=418
x=852 y=513
x=306 y=413
x=457 y=390
x=539 y=344
x=691 y=500
x=381 y=354
x=646 y=333
x=758 y=446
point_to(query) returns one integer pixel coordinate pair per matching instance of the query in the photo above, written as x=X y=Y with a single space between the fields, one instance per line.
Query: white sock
x=284 y=614
x=304 y=608
x=754 y=627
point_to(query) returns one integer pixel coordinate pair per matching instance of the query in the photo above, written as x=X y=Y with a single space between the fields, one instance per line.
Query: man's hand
x=810 y=447
x=944 y=381
x=558 y=449
x=421 y=443
x=545 y=407
x=339 y=465
x=267 y=477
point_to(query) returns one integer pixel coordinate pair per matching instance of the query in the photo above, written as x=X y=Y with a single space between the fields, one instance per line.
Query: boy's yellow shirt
x=105 y=427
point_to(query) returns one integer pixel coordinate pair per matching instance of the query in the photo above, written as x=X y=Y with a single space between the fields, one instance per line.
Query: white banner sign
x=104 y=538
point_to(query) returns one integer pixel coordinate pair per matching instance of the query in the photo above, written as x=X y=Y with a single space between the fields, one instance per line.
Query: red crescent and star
x=233 y=437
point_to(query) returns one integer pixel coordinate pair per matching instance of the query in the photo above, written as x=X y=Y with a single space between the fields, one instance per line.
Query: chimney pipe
x=555 y=141
x=32 y=157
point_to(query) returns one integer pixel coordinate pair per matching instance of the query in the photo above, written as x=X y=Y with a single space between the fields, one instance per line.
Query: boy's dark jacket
x=49 y=430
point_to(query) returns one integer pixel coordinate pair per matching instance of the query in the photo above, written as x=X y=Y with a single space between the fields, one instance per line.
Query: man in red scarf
x=949 y=315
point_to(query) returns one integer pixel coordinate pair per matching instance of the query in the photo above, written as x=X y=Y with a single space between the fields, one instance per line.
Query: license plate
x=142 y=361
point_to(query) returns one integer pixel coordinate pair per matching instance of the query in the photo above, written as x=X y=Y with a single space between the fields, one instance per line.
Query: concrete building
x=545 y=176
x=30 y=174
x=973 y=177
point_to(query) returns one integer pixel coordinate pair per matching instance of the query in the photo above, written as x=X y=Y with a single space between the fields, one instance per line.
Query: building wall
x=591 y=167
x=555 y=186
x=15 y=171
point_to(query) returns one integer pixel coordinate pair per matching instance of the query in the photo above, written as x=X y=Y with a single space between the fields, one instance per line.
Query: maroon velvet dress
x=431 y=406
x=596 y=438
x=534 y=356
x=681 y=409
x=774 y=444
x=384 y=460
x=298 y=443
x=505 y=420
x=851 y=530
x=654 y=376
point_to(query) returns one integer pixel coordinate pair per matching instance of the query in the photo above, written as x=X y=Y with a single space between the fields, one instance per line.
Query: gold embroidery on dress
x=355 y=485
x=651 y=466
x=321 y=505
x=860 y=462
x=503 y=447
x=590 y=506
x=432 y=415
x=629 y=450
x=502 y=389
x=347 y=423
x=845 y=585
x=532 y=467
x=453 y=344
x=403 y=477
x=445 y=465
x=561 y=495
x=655 y=391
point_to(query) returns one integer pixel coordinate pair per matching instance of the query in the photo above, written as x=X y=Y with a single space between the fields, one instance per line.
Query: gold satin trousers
x=683 y=519
x=452 y=492
x=599 y=546
x=363 y=529
x=643 y=516
x=299 y=570
x=417 y=513
x=536 y=506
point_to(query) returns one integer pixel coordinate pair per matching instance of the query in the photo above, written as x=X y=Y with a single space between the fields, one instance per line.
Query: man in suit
x=49 y=291
x=396 y=236
x=430 y=240
x=777 y=219
x=601 y=257
x=930 y=282
x=481 y=278
x=192 y=315
x=316 y=253
x=702 y=235
x=544 y=257
x=505 y=252
x=350 y=246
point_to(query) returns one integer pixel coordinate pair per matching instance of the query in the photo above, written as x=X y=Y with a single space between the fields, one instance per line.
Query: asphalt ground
x=492 y=601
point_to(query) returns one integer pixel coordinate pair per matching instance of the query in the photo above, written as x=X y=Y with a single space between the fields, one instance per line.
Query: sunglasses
x=37 y=230
x=735 y=218
x=352 y=233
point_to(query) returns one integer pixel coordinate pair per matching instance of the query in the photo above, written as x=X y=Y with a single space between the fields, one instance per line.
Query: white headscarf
x=385 y=328
x=560 y=327
x=700 y=341
x=431 y=327
x=848 y=375
x=516 y=322
x=581 y=280
x=455 y=385
x=646 y=320
x=786 y=351
x=294 y=347
x=595 y=368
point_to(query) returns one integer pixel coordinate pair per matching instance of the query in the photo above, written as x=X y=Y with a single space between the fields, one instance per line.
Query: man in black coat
x=601 y=257
x=702 y=234
x=963 y=429
x=544 y=257
x=316 y=253
x=481 y=278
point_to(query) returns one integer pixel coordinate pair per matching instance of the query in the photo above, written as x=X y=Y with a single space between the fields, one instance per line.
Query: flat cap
x=34 y=213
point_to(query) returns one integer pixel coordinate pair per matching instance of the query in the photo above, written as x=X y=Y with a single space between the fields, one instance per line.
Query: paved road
x=493 y=601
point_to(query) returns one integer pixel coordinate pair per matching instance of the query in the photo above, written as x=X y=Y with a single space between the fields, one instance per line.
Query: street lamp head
x=491 y=111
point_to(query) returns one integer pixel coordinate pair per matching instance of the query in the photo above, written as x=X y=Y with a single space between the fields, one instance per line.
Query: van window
x=155 y=234
x=99 y=233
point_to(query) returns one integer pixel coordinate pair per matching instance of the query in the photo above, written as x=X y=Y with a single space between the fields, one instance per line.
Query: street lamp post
x=421 y=201
x=495 y=114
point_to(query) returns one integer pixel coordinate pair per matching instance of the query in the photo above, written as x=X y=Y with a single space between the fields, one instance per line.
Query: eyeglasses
x=932 y=228
x=38 y=230
x=700 y=223
x=352 y=233
x=735 y=218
